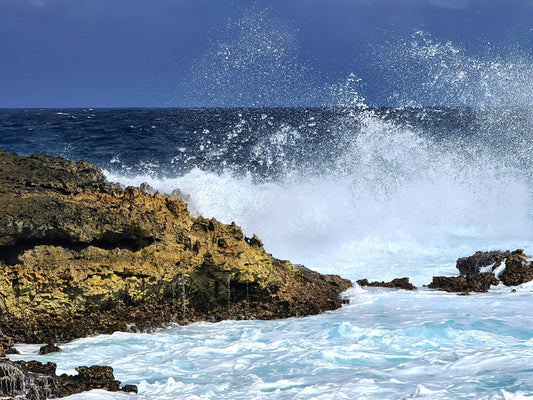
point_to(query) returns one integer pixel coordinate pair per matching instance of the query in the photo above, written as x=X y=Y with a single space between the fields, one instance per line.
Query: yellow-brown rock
x=79 y=255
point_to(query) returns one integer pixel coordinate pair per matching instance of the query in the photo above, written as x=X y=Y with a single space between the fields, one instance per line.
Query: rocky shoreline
x=477 y=273
x=81 y=256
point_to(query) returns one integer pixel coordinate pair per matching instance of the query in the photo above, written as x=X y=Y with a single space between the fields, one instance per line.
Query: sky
x=209 y=53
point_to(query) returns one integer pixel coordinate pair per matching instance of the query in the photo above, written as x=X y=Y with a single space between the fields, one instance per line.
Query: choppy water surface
x=364 y=192
x=384 y=345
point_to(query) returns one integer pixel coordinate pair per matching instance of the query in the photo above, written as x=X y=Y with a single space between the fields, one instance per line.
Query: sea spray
x=365 y=192
x=393 y=193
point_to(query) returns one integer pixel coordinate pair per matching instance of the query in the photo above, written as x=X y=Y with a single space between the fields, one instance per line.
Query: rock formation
x=398 y=283
x=34 y=380
x=464 y=283
x=80 y=256
x=483 y=269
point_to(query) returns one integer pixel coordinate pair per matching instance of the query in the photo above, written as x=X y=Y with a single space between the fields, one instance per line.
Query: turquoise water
x=385 y=344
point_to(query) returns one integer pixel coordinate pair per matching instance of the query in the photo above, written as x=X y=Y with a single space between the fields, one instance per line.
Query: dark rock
x=517 y=270
x=48 y=369
x=6 y=345
x=398 y=283
x=35 y=380
x=130 y=389
x=254 y=241
x=481 y=259
x=465 y=283
x=49 y=348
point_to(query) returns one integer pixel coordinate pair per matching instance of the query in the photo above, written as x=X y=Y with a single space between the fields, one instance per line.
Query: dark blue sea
x=363 y=192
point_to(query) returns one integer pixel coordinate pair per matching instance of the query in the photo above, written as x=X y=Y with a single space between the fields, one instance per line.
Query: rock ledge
x=81 y=256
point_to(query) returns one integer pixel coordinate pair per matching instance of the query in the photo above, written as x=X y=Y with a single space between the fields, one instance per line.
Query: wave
x=378 y=193
x=394 y=201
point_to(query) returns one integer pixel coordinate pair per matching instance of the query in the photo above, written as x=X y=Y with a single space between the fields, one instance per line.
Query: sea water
x=372 y=193
x=362 y=192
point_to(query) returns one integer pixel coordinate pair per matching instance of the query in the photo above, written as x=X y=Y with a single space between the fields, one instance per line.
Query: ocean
x=376 y=193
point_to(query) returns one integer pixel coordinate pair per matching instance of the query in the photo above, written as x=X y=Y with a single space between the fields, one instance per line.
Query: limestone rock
x=80 y=256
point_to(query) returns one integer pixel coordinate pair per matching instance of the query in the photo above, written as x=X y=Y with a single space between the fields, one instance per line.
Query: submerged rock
x=81 y=256
x=398 y=283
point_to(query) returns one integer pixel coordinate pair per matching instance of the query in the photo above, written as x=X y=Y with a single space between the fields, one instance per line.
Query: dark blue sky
x=120 y=53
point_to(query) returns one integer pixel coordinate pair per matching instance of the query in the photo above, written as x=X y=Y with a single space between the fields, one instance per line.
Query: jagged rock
x=398 y=283
x=481 y=259
x=49 y=348
x=517 y=269
x=34 y=380
x=6 y=345
x=254 y=241
x=146 y=188
x=81 y=256
x=465 y=283
x=178 y=194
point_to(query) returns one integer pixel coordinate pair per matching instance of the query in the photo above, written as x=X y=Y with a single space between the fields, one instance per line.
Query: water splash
x=254 y=63
x=424 y=71
x=228 y=288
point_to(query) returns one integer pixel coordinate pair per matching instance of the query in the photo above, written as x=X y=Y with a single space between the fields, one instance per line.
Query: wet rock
x=481 y=259
x=34 y=380
x=465 y=283
x=6 y=345
x=146 y=188
x=49 y=348
x=48 y=369
x=398 y=283
x=81 y=256
x=515 y=268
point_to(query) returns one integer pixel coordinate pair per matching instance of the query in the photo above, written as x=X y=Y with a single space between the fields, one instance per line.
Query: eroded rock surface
x=464 y=283
x=514 y=265
x=483 y=269
x=81 y=256
x=398 y=283
x=34 y=380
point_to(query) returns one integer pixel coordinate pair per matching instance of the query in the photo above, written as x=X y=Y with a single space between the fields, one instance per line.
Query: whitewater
x=362 y=192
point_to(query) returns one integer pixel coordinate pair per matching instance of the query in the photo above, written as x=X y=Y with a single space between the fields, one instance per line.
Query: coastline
x=81 y=256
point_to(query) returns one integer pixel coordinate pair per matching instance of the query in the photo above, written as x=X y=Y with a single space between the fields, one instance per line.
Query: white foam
x=384 y=345
x=396 y=204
